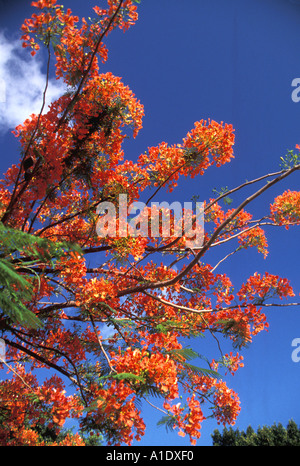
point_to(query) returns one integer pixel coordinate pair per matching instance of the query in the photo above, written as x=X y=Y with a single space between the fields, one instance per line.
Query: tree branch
x=216 y=233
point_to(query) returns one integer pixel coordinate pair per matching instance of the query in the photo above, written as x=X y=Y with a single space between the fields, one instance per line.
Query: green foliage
x=188 y=354
x=227 y=200
x=230 y=328
x=275 y=435
x=92 y=439
x=290 y=160
x=124 y=376
x=168 y=422
x=20 y=252
x=14 y=288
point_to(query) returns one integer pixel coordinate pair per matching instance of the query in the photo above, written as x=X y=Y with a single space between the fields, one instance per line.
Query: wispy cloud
x=22 y=83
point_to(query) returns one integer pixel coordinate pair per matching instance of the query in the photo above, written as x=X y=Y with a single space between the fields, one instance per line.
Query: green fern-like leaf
x=167 y=422
x=19 y=251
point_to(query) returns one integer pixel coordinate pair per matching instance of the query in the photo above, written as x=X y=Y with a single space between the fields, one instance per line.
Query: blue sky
x=230 y=61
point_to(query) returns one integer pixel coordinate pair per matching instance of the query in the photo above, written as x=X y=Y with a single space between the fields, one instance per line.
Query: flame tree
x=63 y=285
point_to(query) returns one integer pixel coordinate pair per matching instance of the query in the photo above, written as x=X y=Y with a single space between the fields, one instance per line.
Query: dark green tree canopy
x=271 y=436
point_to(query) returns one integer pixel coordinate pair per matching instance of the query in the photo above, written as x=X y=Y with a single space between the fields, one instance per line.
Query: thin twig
x=156 y=407
x=224 y=258
x=18 y=375
x=100 y=344
x=243 y=185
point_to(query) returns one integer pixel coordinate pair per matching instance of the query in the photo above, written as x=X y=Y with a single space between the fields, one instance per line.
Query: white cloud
x=107 y=331
x=22 y=83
